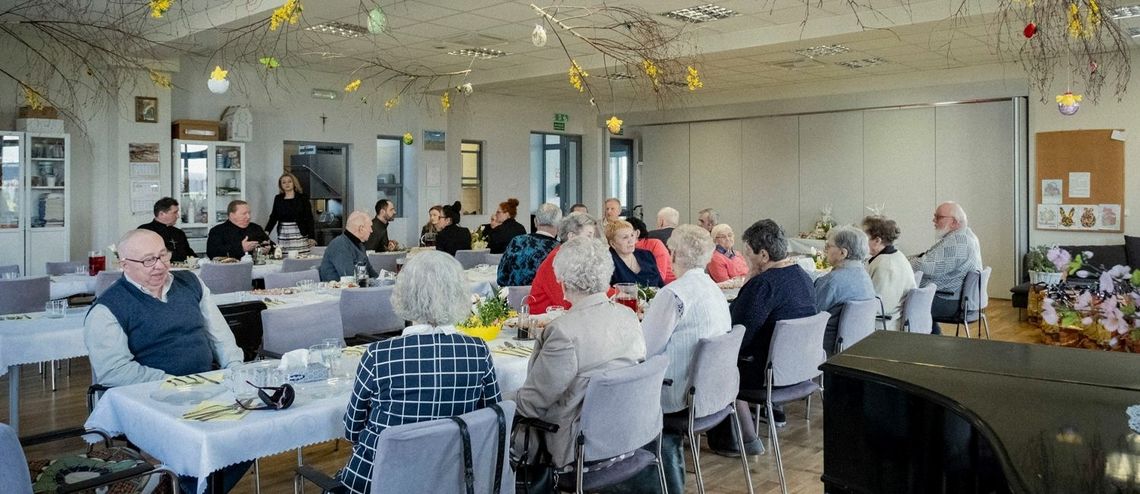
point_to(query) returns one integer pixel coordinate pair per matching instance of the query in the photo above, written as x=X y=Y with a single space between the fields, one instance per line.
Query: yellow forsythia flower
x=1074 y=20
x=1094 y=15
x=1069 y=99
x=576 y=75
x=289 y=12
x=614 y=124
x=445 y=100
x=161 y=80
x=33 y=98
x=391 y=103
x=650 y=69
x=218 y=74
x=158 y=7
x=694 y=79
x=352 y=86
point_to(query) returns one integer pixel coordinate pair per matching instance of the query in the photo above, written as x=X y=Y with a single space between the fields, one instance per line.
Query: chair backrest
x=971 y=292
x=290 y=328
x=10 y=268
x=916 y=309
x=516 y=295
x=369 y=311
x=294 y=265
x=493 y=259
x=226 y=278
x=857 y=321
x=24 y=294
x=385 y=261
x=918 y=278
x=244 y=320
x=411 y=457
x=797 y=349
x=64 y=267
x=984 y=288
x=104 y=280
x=715 y=380
x=14 y=476
x=317 y=251
x=621 y=410
x=289 y=279
x=471 y=258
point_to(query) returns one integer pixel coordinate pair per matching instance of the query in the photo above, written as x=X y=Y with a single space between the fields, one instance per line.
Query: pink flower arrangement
x=1105 y=310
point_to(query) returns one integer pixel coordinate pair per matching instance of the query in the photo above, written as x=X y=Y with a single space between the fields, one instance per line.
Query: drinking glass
x=327 y=354
x=55 y=309
x=81 y=270
x=9 y=276
x=305 y=285
x=626 y=295
x=96 y=262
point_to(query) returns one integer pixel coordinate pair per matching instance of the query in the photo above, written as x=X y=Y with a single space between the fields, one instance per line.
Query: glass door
x=47 y=173
x=227 y=175
x=192 y=185
x=11 y=181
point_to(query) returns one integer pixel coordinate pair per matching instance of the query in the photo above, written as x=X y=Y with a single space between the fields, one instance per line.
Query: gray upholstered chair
x=712 y=396
x=621 y=412
x=10 y=268
x=24 y=294
x=410 y=454
x=294 y=265
x=493 y=259
x=918 y=278
x=290 y=328
x=916 y=309
x=857 y=321
x=368 y=311
x=516 y=295
x=972 y=302
x=794 y=358
x=227 y=278
x=317 y=251
x=104 y=280
x=290 y=279
x=471 y=258
x=65 y=267
x=385 y=261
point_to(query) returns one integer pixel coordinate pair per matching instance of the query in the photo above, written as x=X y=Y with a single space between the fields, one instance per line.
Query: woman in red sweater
x=545 y=290
x=726 y=263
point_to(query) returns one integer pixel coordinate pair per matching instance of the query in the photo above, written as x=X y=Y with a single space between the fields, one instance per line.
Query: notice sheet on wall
x=1079 y=184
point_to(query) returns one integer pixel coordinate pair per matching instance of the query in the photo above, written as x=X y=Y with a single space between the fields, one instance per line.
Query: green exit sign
x=560 y=120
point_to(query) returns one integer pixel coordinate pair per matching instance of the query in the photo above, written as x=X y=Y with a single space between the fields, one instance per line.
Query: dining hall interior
x=802 y=112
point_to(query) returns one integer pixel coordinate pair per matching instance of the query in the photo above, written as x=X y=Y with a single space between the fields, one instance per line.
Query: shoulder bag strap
x=468 y=463
x=501 y=446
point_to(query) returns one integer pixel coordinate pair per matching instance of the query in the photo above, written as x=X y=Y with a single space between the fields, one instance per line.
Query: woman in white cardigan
x=890 y=271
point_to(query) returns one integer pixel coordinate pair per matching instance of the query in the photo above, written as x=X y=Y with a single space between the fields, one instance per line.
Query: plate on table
x=187 y=395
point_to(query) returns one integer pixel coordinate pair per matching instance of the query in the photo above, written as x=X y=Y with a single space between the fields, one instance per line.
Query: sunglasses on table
x=272 y=397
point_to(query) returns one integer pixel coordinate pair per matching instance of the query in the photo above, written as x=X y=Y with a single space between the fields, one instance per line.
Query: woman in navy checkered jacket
x=429 y=372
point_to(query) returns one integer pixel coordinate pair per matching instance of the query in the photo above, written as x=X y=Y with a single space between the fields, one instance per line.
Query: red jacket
x=661 y=255
x=545 y=289
x=721 y=268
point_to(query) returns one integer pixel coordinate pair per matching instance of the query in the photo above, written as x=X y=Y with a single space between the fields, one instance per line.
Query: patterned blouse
x=523 y=256
x=426 y=374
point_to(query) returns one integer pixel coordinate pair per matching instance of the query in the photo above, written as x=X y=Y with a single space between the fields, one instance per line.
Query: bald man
x=347 y=250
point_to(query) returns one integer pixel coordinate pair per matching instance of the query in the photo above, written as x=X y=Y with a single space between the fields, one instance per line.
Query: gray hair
x=714 y=216
x=850 y=238
x=720 y=228
x=692 y=247
x=584 y=265
x=668 y=216
x=432 y=289
x=125 y=246
x=957 y=212
x=766 y=235
x=548 y=215
x=573 y=223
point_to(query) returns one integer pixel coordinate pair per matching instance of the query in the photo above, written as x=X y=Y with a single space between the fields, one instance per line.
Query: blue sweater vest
x=170 y=336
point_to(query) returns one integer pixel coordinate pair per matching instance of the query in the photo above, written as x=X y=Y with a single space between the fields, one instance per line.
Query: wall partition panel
x=976 y=167
x=715 y=171
x=831 y=168
x=665 y=174
x=770 y=162
x=898 y=166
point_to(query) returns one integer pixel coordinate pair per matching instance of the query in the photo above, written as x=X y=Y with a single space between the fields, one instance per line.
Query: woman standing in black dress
x=293 y=215
x=451 y=236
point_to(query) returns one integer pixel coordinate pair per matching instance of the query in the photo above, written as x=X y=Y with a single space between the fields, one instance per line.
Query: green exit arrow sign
x=560 y=120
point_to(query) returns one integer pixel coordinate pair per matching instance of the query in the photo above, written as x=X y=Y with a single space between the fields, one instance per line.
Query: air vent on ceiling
x=616 y=76
x=701 y=13
x=1124 y=12
x=798 y=63
x=862 y=63
x=340 y=29
x=822 y=51
x=470 y=39
x=481 y=53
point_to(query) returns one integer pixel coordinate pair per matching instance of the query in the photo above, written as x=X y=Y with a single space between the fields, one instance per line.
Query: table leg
x=14 y=398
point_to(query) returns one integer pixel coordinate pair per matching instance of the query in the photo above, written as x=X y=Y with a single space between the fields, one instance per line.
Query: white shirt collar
x=165 y=286
x=419 y=329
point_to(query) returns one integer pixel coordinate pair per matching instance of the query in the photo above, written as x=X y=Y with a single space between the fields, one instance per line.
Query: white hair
x=720 y=228
x=432 y=289
x=584 y=265
x=125 y=246
x=548 y=215
x=850 y=238
x=573 y=223
x=957 y=212
x=713 y=216
x=668 y=216
x=692 y=247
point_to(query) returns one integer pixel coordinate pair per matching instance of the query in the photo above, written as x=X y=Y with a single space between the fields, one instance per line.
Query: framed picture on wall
x=146 y=109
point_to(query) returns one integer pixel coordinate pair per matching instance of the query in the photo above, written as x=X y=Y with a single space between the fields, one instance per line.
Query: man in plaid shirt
x=946 y=262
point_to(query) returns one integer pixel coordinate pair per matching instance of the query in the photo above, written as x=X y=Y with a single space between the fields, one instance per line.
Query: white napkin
x=296 y=359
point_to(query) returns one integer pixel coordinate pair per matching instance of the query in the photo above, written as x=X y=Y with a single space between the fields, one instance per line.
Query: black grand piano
x=907 y=413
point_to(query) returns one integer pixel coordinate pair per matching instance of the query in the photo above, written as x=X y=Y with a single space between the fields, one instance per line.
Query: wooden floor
x=801 y=441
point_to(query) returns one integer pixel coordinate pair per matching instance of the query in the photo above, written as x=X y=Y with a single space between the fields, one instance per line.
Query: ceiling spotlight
x=329 y=94
x=341 y=29
x=701 y=13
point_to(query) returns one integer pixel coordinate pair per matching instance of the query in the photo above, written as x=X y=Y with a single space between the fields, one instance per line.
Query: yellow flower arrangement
x=487 y=316
x=289 y=12
x=694 y=79
x=219 y=74
x=391 y=103
x=1094 y=15
x=33 y=98
x=614 y=124
x=651 y=70
x=445 y=100
x=161 y=80
x=158 y=7
x=352 y=86
x=576 y=76
x=1075 y=28
x=408 y=139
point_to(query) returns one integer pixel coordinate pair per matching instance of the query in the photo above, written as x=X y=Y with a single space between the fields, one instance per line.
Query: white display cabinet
x=35 y=200
x=207 y=176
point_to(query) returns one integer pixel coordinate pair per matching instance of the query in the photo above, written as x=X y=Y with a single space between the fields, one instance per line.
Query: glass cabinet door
x=47 y=176
x=227 y=171
x=11 y=181
x=193 y=183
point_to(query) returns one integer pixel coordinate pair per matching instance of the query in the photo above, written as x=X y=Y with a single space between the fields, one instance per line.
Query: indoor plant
x=1092 y=315
x=1041 y=268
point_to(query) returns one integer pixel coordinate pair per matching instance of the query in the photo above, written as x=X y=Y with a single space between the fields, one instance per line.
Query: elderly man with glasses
x=154 y=323
x=946 y=262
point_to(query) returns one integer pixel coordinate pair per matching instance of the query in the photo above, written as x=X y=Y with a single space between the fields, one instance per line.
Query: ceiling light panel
x=481 y=53
x=616 y=76
x=341 y=29
x=701 y=13
x=862 y=63
x=823 y=51
x=1124 y=12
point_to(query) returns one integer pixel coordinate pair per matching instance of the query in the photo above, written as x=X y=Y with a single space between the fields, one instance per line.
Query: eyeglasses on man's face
x=149 y=262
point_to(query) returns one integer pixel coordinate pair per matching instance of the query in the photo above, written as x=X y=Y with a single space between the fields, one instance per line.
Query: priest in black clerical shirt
x=236 y=236
x=165 y=216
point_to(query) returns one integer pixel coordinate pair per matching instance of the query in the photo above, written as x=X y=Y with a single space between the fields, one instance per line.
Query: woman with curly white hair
x=593 y=336
x=430 y=371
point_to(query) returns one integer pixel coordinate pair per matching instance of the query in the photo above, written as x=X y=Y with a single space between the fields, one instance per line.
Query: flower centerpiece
x=479 y=238
x=1096 y=309
x=1041 y=267
x=487 y=316
x=823 y=225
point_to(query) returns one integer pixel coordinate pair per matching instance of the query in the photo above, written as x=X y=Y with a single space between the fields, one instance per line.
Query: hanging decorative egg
x=218 y=83
x=1030 y=30
x=377 y=21
x=538 y=37
x=1068 y=103
x=1093 y=66
x=408 y=140
x=614 y=125
x=465 y=88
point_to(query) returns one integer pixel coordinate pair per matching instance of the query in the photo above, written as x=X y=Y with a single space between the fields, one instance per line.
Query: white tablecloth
x=804 y=245
x=39 y=339
x=71 y=284
x=510 y=370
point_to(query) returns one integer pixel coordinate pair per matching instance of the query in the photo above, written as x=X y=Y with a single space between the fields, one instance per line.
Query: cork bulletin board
x=1080 y=180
